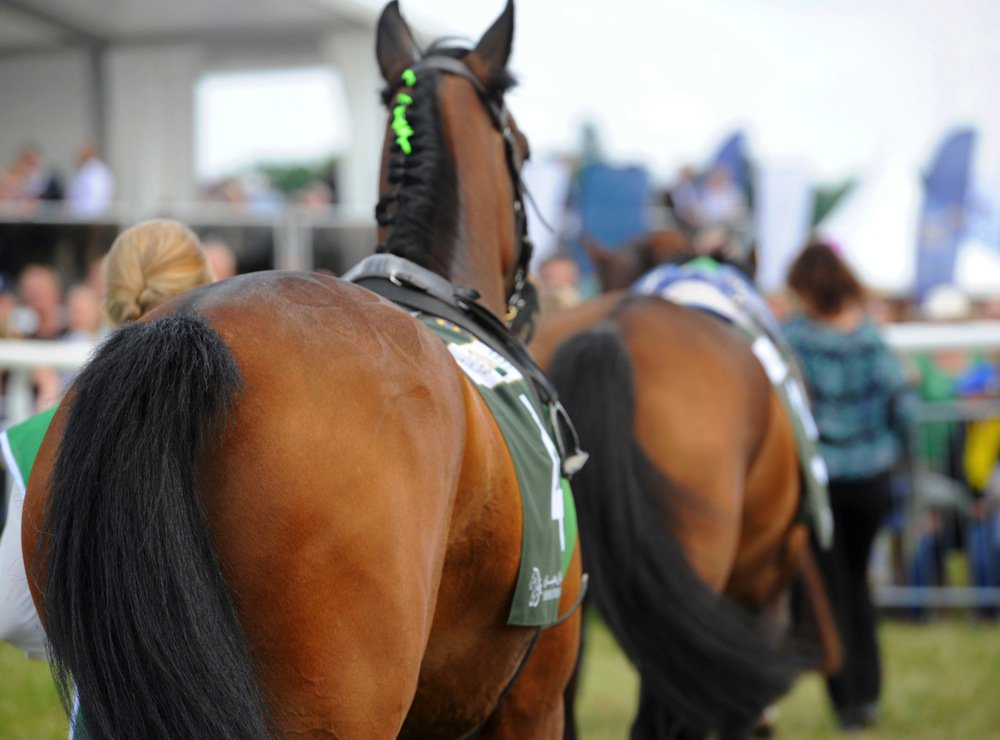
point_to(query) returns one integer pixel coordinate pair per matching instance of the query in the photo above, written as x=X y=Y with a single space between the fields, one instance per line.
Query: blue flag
x=732 y=155
x=943 y=220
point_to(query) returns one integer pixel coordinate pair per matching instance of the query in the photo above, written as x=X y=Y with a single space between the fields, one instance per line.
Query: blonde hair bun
x=147 y=265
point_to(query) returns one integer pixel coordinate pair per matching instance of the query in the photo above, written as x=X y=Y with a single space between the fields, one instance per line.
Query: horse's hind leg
x=569 y=695
x=768 y=557
x=653 y=721
x=534 y=708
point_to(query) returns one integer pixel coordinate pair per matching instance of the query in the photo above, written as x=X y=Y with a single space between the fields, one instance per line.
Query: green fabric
x=22 y=441
x=937 y=440
x=79 y=725
x=548 y=513
x=703 y=264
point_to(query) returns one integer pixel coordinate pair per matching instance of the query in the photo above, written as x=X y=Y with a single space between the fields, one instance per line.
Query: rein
x=517 y=300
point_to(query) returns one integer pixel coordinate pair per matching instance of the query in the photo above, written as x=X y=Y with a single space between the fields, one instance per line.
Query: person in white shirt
x=92 y=188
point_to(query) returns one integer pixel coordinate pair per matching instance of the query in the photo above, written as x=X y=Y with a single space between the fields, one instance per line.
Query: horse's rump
x=674 y=409
x=331 y=496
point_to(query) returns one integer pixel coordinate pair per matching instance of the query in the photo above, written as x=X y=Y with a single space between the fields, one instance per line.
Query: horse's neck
x=480 y=256
x=479 y=269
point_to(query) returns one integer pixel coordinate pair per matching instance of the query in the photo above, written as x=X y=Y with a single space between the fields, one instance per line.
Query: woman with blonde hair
x=147 y=265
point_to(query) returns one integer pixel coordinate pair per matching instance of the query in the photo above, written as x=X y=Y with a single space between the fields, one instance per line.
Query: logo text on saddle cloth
x=483 y=365
x=489 y=369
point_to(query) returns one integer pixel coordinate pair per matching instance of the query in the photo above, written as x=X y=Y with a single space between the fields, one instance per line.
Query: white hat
x=946 y=303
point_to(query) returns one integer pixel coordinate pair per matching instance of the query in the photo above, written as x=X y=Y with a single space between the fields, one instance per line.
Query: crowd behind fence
x=297 y=237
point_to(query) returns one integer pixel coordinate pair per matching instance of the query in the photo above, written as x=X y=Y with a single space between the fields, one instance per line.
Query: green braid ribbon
x=400 y=125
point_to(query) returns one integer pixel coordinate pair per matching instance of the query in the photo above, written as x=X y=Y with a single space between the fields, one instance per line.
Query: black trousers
x=859 y=509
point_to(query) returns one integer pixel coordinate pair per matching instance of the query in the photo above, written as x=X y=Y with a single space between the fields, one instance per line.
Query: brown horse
x=278 y=508
x=692 y=491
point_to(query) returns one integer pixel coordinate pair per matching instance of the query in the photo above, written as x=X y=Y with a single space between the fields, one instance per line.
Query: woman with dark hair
x=861 y=403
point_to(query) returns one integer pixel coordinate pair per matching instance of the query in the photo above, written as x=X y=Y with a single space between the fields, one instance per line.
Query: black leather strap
x=459 y=306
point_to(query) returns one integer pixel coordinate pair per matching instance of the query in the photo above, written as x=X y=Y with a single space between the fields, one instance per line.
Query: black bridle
x=517 y=299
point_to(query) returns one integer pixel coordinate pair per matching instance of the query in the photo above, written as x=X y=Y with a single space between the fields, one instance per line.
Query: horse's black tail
x=135 y=606
x=699 y=654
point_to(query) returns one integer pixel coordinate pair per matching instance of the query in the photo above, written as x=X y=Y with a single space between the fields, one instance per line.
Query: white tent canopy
x=123 y=74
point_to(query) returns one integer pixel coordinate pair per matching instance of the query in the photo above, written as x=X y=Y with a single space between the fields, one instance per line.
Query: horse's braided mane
x=421 y=209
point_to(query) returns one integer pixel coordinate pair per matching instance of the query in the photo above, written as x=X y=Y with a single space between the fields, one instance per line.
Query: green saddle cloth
x=549 y=515
x=20 y=443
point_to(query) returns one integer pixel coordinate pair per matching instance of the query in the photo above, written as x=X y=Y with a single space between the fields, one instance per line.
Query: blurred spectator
x=862 y=408
x=40 y=290
x=8 y=306
x=979 y=463
x=943 y=493
x=41 y=294
x=83 y=314
x=725 y=244
x=227 y=190
x=261 y=195
x=316 y=194
x=95 y=277
x=92 y=187
x=221 y=259
x=684 y=199
x=10 y=188
x=8 y=303
x=722 y=202
x=558 y=283
x=35 y=180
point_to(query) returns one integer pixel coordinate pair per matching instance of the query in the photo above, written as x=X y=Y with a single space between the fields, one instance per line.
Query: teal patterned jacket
x=860 y=398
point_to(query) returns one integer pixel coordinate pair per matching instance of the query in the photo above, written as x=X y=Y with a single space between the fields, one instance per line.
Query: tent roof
x=31 y=26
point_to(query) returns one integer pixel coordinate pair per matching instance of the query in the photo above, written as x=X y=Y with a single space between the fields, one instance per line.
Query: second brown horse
x=688 y=508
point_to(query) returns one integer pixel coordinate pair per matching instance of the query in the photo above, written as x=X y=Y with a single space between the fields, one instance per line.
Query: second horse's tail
x=699 y=654
x=135 y=606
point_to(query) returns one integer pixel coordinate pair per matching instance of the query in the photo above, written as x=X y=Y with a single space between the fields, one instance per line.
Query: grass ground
x=941 y=683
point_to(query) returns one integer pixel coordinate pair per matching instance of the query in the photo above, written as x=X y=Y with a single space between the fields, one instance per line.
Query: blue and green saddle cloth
x=723 y=291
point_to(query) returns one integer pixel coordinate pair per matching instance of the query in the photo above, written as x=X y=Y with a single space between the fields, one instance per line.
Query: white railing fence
x=20 y=358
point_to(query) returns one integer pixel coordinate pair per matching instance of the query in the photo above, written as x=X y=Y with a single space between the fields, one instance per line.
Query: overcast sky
x=844 y=84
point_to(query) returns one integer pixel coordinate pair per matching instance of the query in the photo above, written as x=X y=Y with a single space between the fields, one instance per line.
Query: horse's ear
x=495 y=45
x=395 y=46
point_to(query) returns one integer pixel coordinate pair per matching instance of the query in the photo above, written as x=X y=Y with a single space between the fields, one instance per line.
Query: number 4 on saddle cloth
x=706 y=285
x=539 y=435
